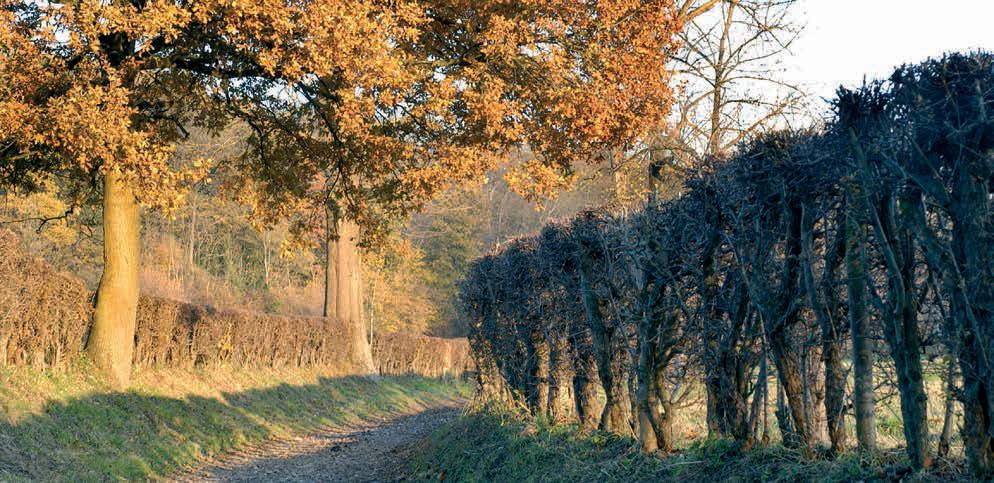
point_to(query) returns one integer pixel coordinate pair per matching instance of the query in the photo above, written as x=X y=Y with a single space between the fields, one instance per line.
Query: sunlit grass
x=69 y=426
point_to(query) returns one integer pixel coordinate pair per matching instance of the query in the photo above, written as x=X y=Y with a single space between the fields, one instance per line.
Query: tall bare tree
x=731 y=69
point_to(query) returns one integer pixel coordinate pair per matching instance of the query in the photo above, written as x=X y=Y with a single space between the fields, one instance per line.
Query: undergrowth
x=497 y=444
x=69 y=426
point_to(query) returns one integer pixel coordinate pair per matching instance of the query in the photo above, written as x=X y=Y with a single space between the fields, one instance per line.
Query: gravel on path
x=372 y=450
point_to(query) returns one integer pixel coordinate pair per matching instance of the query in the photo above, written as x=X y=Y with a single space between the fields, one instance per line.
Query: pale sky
x=847 y=39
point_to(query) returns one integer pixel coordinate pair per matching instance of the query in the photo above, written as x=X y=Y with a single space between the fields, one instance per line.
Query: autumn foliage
x=364 y=108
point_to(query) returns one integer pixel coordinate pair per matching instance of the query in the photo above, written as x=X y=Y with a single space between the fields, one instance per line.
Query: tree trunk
x=491 y=385
x=588 y=409
x=815 y=380
x=330 y=308
x=947 y=420
x=914 y=408
x=763 y=392
x=864 y=398
x=265 y=258
x=665 y=438
x=645 y=369
x=112 y=337
x=560 y=402
x=617 y=416
x=835 y=391
x=780 y=326
x=766 y=400
x=712 y=347
x=342 y=291
x=977 y=422
x=973 y=309
x=823 y=302
x=901 y=326
x=728 y=372
x=788 y=435
x=712 y=419
x=538 y=387
x=791 y=382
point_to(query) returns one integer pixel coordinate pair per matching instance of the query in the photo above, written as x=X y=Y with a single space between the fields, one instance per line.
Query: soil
x=372 y=450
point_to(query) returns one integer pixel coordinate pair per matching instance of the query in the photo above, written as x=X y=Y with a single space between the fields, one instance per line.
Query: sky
x=847 y=39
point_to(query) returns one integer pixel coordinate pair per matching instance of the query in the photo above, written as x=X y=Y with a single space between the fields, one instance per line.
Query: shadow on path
x=135 y=435
x=373 y=450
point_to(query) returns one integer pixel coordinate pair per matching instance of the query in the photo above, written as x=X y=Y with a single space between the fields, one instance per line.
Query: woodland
x=625 y=206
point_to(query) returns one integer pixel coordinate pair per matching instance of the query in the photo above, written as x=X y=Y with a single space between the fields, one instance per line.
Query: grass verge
x=494 y=444
x=69 y=426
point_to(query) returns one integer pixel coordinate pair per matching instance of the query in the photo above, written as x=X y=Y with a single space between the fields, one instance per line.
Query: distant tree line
x=802 y=248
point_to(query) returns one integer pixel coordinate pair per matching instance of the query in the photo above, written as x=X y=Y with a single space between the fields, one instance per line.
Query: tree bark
x=729 y=371
x=560 y=402
x=823 y=303
x=792 y=384
x=192 y=239
x=342 y=291
x=665 y=438
x=947 y=421
x=780 y=326
x=645 y=368
x=901 y=328
x=490 y=383
x=973 y=309
x=330 y=308
x=835 y=391
x=617 y=417
x=759 y=404
x=588 y=408
x=788 y=434
x=864 y=397
x=977 y=422
x=112 y=336
x=965 y=266
x=538 y=373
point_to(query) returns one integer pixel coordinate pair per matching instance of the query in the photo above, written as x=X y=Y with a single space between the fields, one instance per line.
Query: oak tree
x=368 y=107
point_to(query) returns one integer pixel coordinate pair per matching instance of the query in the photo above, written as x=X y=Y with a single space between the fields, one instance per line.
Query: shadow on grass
x=136 y=435
x=499 y=445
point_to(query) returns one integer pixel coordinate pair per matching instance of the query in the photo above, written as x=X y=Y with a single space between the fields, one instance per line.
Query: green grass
x=69 y=426
x=494 y=444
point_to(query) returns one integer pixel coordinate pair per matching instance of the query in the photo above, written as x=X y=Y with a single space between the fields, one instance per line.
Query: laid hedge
x=44 y=314
x=399 y=354
x=171 y=333
x=45 y=317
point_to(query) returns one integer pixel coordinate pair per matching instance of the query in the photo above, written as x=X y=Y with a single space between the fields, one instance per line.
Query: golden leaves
x=568 y=79
x=409 y=96
x=536 y=181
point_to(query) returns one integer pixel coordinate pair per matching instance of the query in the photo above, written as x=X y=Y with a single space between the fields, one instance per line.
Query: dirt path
x=374 y=450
